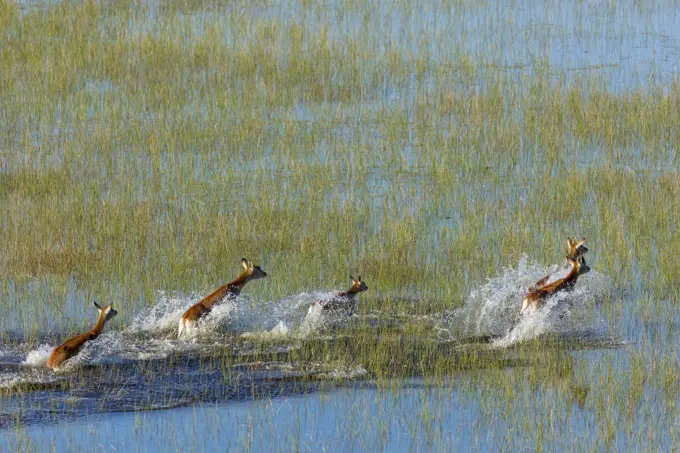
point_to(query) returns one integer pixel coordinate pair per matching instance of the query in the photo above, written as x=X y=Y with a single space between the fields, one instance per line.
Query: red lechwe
x=231 y=289
x=341 y=301
x=536 y=297
x=73 y=345
x=575 y=249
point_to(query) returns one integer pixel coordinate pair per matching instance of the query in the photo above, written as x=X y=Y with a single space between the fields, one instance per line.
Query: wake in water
x=240 y=315
x=246 y=348
x=492 y=309
x=152 y=334
x=488 y=312
x=237 y=352
x=19 y=369
x=241 y=326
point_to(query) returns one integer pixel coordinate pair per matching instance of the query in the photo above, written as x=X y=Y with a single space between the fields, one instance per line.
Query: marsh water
x=238 y=383
x=595 y=369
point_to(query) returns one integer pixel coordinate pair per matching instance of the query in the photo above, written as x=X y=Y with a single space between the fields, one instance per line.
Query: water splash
x=313 y=321
x=33 y=378
x=152 y=334
x=25 y=369
x=279 y=332
x=492 y=309
x=164 y=314
x=317 y=320
x=38 y=357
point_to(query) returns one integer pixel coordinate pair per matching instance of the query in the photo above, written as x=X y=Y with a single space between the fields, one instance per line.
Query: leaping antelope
x=536 y=297
x=575 y=249
x=73 y=345
x=231 y=289
x=343 y=300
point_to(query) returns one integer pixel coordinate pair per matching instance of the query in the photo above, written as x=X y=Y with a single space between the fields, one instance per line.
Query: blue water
x=238 y=384
x=414 y=416
x=351 y=419
x=139 y=389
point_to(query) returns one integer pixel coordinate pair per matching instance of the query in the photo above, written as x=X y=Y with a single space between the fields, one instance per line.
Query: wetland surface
x=443 y=151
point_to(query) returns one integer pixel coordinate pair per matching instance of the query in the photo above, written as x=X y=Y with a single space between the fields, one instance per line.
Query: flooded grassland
x=443 y=151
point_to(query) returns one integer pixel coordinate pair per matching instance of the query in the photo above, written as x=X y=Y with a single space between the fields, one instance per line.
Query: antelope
x=72 y=346
x=231 y=289
x=575 y=249
x=343 y=300
x=535 y=299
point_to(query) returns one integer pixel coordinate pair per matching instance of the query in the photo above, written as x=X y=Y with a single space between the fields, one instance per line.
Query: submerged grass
x=147 y=147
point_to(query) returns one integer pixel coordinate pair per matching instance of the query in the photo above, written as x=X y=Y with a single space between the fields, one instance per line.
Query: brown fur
x=344 y=300
x=575 y=249
x=72 y=346
x=231 y=289
x=535 y=299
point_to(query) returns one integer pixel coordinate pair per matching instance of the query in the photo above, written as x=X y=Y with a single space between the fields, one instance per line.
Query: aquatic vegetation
x=443 y=150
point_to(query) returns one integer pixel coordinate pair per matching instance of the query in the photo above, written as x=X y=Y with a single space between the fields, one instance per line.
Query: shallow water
x=240 y=354
x=359 y=418
x=264 y=375
x=316 y=422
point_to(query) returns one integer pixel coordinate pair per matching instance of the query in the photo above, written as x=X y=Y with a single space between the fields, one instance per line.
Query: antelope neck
x=100 y=324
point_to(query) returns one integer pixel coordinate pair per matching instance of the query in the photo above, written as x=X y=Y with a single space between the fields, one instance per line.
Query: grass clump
x=146 y=148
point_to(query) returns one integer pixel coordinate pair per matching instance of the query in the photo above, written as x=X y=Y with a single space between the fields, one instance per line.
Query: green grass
x=147 y=148
x=154 y=157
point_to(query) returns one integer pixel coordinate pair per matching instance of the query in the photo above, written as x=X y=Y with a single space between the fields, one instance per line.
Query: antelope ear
x=96 y=305
x=358 y=278
x=569 y=243
x=245 y=264
x=352 y=278
x=581 y=242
